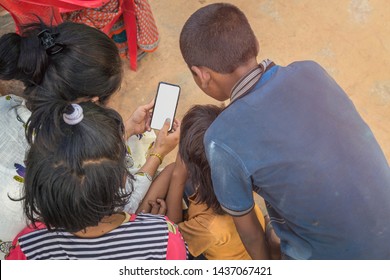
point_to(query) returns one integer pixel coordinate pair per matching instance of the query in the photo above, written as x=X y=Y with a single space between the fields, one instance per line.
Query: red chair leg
x=128 y=8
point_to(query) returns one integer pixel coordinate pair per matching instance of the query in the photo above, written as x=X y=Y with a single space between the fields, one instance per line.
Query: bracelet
x=146 y=174
x=160 y=157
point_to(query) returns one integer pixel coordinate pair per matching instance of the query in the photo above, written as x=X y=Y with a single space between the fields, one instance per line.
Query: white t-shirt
x=13 y=147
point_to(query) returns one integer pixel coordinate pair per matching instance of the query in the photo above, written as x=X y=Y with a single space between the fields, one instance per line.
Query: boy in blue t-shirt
x=292 y=135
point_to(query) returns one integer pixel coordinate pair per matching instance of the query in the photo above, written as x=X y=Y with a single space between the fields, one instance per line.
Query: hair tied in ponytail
x=74 y=117
x=47 y=39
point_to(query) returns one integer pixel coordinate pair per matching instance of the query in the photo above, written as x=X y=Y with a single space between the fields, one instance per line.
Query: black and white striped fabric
x=144 y=238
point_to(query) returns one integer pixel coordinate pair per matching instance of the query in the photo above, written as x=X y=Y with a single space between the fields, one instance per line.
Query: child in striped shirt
x=74 y=191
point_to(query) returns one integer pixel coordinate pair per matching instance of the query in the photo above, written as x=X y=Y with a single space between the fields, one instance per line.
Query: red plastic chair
x=27 y=11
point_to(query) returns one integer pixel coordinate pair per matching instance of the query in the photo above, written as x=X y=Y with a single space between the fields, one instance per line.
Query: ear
x=257 y=47
x=202 y=74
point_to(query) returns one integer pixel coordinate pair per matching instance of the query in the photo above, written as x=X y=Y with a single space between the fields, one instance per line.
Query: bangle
x=146 y=174
x=160 y=157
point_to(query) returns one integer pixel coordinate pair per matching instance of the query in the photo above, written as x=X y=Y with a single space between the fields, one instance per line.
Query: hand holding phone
x=165 y=105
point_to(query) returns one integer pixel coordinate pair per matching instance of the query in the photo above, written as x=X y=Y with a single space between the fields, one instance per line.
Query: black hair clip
x=48 y=42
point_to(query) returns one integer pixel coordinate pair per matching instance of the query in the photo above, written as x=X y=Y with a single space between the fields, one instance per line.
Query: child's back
x=213 y=235
x=143 y=236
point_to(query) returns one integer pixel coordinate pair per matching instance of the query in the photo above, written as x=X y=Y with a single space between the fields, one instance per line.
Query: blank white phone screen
x=165 y=105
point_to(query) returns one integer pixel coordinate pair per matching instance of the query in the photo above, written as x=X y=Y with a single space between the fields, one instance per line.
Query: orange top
x=213 y=235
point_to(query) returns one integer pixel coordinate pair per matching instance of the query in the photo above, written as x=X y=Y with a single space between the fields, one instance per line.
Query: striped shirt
x=144 y=238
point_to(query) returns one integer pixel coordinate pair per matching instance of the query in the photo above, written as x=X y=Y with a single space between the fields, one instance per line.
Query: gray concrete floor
x=349 y=38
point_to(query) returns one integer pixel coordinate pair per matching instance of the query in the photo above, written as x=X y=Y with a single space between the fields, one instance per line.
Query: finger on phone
x=147 y=121
x=176 y=124
x=166 y=126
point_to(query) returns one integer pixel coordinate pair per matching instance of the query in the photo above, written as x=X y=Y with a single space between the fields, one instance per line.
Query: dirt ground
x=349 y=38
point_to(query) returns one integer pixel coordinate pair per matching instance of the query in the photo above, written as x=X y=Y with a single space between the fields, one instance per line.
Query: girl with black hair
x=69 y=63
x=207 y=229
x=74 y=192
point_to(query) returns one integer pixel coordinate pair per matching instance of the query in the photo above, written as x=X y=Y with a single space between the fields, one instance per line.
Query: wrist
x=160 y=151
x=157 y=155
x=129 y=131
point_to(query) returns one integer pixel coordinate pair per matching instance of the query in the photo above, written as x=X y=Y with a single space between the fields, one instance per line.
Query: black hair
x=88 y=65
x=218 y=36
x=9 y=54
x=191 y=149
x=75 y=174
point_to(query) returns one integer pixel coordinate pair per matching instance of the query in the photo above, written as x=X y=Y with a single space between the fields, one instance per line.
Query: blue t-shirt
x=298 y=141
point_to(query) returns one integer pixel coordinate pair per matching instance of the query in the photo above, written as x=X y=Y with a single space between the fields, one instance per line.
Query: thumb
x=149 y=105
x=166 y=125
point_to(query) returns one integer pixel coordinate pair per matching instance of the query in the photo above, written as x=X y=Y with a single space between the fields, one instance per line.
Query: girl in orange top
x=206 y=229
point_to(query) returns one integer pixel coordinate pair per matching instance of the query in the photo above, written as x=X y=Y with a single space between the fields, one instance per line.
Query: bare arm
x=165 y=143
x=175 y=192
x=252 y=235
x=158 y=190
x=272 y=239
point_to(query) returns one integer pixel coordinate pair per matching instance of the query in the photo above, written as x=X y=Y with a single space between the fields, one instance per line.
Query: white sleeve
x=138 y=191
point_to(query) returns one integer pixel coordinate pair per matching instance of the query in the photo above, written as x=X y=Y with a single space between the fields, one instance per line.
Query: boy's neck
x=228 y=81
x=107 y=224
x=242 y=70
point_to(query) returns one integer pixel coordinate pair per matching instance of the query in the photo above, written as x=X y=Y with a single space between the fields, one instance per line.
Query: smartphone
x=165 y=105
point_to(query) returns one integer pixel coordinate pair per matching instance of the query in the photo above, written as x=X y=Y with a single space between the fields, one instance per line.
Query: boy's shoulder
x=308 y=66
